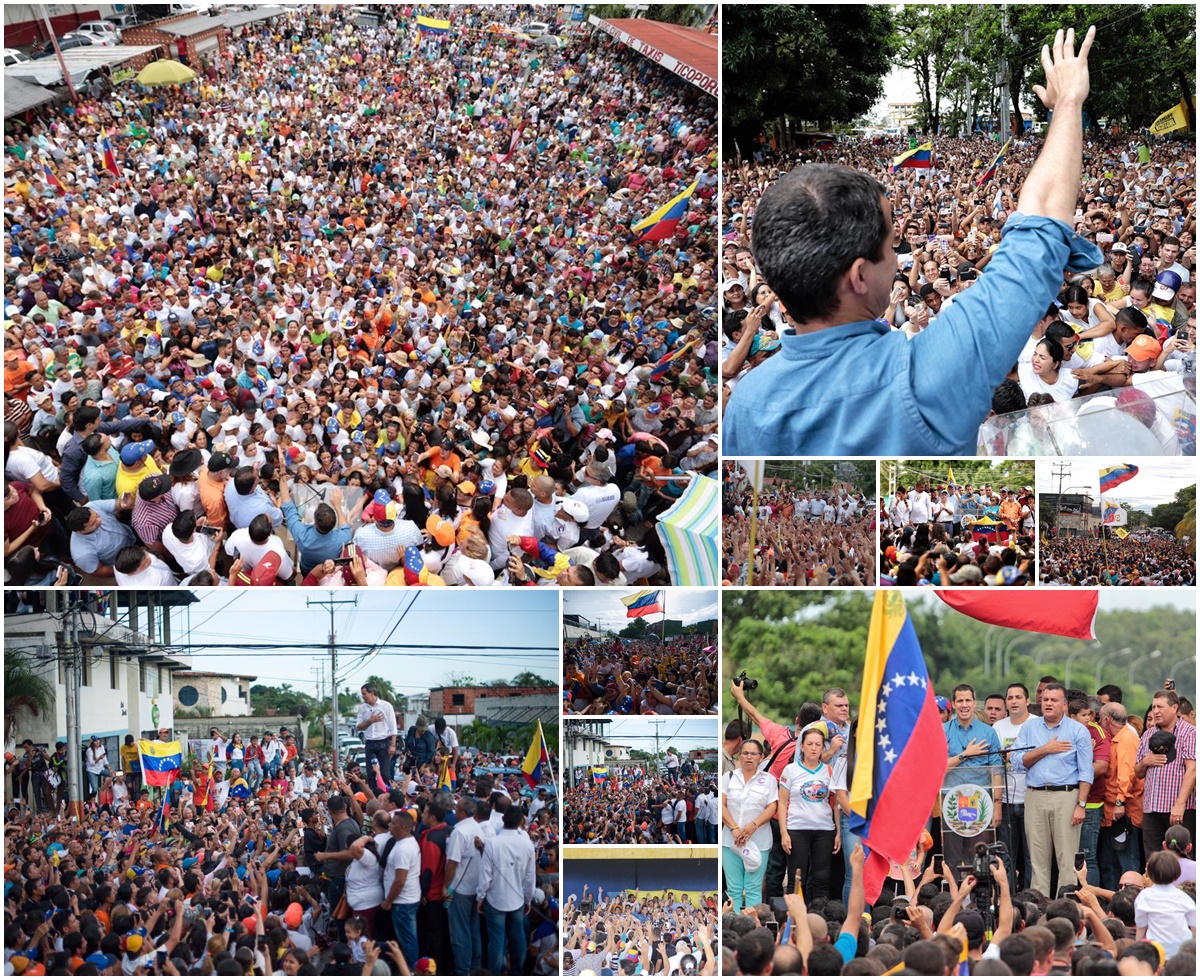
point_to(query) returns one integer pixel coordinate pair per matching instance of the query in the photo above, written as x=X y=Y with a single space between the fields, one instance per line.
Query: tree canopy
x=797 y=644
x=1015 y=473
x=1169 y=515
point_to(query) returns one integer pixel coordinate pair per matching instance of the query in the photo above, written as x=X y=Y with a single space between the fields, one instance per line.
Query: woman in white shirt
x=749 y=799
x=1045 y=373
x=364 y=882
x=809 y=832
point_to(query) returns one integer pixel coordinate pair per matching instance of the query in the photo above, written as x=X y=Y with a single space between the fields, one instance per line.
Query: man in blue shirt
x=325 y=537
x=974 y=758
x=246 y=499
x=1056 y=753
x=97 y=536
x=844 y=382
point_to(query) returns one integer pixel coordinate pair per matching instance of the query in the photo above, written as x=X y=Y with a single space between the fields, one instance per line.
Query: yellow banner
x=1121 y=533
x=1171 y=120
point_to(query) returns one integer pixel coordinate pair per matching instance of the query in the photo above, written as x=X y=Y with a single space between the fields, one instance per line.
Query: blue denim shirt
x=863 y=389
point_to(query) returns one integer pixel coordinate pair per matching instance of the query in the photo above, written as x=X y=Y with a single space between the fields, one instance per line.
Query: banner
x=1171 y=120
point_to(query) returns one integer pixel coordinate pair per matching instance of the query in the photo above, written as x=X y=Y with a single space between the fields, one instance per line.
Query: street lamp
x=1182 y=663
x=1109 y=656
x=1133 y=666
x=1070 y=660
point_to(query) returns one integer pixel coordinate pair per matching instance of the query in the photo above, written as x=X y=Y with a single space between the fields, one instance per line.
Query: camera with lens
x=985 y=861
x=748 y=683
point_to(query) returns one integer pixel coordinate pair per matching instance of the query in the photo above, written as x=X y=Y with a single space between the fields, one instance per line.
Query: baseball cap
x=154 y=486
x=942 y=703
x=134 y=452
x=1166 y=285
x=441 y=530
x=1144 y=347
x=219 y=461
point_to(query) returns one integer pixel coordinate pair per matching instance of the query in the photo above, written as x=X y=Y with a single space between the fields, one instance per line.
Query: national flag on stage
x=665 y=362
x=644 y=603
x=1121 y=533
x=513 y=142
x=901 y=746
x=1063 y=612
x=1113 y=476
x=52 y=179
x=1174 y=118
x=161 y=761
x=431 y=25
x=537 y=757
x=1112 y=515
x=662 y=223
x=920 y=158
x=988 y=174
x=445 y=775
x=110 y=158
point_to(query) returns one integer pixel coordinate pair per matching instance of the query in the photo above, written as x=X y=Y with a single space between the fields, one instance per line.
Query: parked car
x=107 y=33
x=44 y=49
x=536 y=28
x=122 y=21
x=14 y=57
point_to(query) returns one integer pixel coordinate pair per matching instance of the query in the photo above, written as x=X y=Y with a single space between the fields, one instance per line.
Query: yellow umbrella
x=165 y=72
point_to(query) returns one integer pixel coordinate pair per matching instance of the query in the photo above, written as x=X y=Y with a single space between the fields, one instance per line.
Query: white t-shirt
x=919 y=507
x=1063 y=390
x=193 y=556
x=405 y=856
x=809 y=792
x=1167 y=915
x=23 y=462
x=600 y=502
x=240 y=545
x=1014 y=788
x=461 y=848
x=158 y=574
x=364 y=890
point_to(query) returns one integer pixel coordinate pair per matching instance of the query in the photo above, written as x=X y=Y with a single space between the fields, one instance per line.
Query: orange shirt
x=212 y=496
x=1122 y=782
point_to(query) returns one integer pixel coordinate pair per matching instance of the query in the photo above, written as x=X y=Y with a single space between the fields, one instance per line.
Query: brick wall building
x=461 y=700
x=195 y=41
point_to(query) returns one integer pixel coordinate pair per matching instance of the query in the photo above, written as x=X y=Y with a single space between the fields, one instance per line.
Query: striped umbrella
x=689 y=534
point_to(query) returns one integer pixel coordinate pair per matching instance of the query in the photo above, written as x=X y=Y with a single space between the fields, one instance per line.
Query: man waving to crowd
x=832 y=274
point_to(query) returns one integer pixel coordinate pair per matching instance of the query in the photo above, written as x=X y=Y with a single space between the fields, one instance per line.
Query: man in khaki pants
x=1056 y=753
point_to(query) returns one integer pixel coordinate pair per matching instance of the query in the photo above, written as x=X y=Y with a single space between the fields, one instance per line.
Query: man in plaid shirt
x=1169 y=797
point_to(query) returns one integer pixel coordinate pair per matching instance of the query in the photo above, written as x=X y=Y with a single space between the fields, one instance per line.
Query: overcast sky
x=523 y=618
x=604 y=606
x=1156 y=483
x=682 y=733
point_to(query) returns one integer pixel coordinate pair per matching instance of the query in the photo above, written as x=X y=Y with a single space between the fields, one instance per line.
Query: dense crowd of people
x=266 y=860
x=803 y=535
x=611 y=676
x=634 y=804
x=1141 y=558
x=1092 y=859
x=1102 y=295
x=942 y=534
x=636 y=934
x=361 y=306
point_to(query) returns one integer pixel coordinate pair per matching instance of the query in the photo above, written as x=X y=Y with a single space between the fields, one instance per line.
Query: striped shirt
x=152 y=517
x=1164 y=782
x=386 y=549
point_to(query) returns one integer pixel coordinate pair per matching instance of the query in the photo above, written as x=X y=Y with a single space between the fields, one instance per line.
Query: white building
x=227 y=695
x=125 y=636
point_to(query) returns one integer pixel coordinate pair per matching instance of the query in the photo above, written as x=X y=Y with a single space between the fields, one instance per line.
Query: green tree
x=387 y=692
x=813 y=62
x=635 y=629
x=26 y=691
x=1170 y=514
x=527 y=678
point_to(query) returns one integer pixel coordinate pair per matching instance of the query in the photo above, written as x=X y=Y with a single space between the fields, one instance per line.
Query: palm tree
x=25 y=691
x=386 y=692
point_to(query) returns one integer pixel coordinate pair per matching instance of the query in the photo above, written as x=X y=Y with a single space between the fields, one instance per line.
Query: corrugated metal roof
x=240 y=17
x=20 y=95
x=80 y=62
x=189 y=27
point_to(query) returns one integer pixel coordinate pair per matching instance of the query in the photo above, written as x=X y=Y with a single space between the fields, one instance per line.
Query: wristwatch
x=1081 y=803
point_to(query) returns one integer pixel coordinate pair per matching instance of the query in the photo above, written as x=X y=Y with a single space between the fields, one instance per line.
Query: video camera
x=985 y=897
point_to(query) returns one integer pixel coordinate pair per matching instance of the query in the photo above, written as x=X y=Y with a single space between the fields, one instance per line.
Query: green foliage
x=26 y=692
x=510 y=739
x=527 y=678
x=814 y=62
x=1170 y=514
x=686 y=14
x=1007 y=473
x=797 y=644
x=823 y=474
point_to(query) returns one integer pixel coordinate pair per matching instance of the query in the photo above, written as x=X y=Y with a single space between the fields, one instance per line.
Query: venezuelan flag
x=239 y=789
x=161 y=761
x=110 y=158
x=988 y=174
x=52 y=179
x=643 y=603
x=901 y=745
x=662 y=223
x=1113 y=476
x=600 y=775
x=921 y=158
x=665 y=362
x=537 y=757
x=431 y=25
x=445 y=775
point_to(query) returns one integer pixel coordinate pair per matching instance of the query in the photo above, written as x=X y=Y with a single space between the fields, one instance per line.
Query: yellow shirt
x=1117 y=292
x=129 y=480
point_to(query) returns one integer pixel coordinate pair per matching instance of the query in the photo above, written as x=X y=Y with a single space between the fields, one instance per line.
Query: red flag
x=110 y=158
x=1063 y=612
x=52 y=179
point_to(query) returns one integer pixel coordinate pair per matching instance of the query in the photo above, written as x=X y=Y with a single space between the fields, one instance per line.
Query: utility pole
x=330 y=604
x=1002 y=80
x=319 y=670
x=58 y=53
x=1063 y=472
x=74 y=675
x=657 y=725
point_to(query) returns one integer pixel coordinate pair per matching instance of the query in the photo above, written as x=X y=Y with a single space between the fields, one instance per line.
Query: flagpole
x=662 y=633
x=549 y=764
x=753 y=530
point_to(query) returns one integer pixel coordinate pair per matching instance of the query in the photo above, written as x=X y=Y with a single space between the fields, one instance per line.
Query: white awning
x=80 y=63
